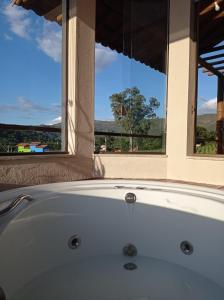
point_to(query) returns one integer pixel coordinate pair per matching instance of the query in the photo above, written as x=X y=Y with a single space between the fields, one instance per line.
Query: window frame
x=193 y=90
x=64 y=98
x=164 y=136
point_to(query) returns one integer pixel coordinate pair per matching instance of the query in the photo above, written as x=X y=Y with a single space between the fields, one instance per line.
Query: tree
x=133 y=112
x=203 y=134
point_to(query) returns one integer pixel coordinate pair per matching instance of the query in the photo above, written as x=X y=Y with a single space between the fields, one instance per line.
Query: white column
x=81 y=55
x=181 y=88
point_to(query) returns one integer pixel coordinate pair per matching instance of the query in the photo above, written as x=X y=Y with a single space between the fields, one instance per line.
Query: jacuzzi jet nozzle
x=130 y=250
x=74 y=242
x=187 y=248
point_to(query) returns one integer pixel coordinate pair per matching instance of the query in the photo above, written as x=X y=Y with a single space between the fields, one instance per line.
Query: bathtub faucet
x=15 y=203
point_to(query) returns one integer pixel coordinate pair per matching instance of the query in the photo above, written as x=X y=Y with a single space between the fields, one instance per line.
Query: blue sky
x=30 y=86
x=115 y=72
x=207 y=93
x=30 y=66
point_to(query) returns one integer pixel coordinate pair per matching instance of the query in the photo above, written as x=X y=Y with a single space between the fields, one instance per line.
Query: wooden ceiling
x=145 y=37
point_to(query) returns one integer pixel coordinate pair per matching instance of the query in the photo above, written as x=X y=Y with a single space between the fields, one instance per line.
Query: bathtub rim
x=210 y=193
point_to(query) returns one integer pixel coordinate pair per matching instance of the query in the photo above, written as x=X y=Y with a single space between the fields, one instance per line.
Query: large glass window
x=131 y=75
x=30 y=68
x=209 y=131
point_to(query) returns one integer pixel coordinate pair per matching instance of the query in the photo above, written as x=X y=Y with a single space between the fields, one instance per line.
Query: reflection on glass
x=30 y=86
x=205 y=137
x=130 y=79
x=209 y=131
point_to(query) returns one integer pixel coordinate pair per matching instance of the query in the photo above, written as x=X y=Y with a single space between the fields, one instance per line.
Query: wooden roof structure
x=50 y=9
x=148 y=32
x=211 y=37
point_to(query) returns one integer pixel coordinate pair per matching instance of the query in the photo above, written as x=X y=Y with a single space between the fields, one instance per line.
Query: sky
x=30 y=66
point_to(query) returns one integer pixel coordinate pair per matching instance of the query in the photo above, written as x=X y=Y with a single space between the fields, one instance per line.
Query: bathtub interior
x=38 y=262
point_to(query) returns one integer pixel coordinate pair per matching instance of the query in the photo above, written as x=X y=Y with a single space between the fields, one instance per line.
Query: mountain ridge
x=158 y=125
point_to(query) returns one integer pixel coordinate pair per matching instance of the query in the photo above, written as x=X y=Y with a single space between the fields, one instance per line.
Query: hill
x=207 y=121
x=157 y=126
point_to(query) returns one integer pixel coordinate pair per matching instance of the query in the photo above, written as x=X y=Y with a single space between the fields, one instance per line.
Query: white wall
x=178 y=164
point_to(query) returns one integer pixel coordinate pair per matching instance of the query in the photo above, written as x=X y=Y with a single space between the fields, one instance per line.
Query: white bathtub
x=37 y=261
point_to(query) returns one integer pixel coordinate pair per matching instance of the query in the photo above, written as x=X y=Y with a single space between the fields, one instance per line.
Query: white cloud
x=208 y=107
x=27 y=106
x=23 y=105
x=50 y=41
x=7 y=37
x=104 y=56
x=55 y=121
x=47 y=35
x=18 y=21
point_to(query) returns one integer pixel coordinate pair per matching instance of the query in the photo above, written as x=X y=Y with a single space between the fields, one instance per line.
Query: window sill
x=206 y=157
x=153 y=155
x=35 y=156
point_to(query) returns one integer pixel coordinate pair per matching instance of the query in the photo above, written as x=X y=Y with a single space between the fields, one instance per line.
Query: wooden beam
x=209 y=72
x=17 y=2
x=220 y=110
x=218 y=62
x=220 y=116
x=215 y=49
x=59 y=18
x=55 y=14
x=221 y=55
x=214 y=64
x=219 y=68
x=220 y=15
x=209 y=8
x=209 y=67
x=204 y=70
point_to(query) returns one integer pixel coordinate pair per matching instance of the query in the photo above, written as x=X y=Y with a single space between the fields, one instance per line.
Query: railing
x=121 y=135
x=30 y=128
x=202 y=140
x=116 y=134
x=11 y=149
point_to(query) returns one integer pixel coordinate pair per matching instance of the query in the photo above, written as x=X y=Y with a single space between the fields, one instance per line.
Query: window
x=131 y=76
x=31 y=76
x=209 y=131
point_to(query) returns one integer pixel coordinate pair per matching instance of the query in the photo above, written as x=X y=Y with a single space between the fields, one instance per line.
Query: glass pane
x=209 y=131
x=130 y=76
x=30 y=86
